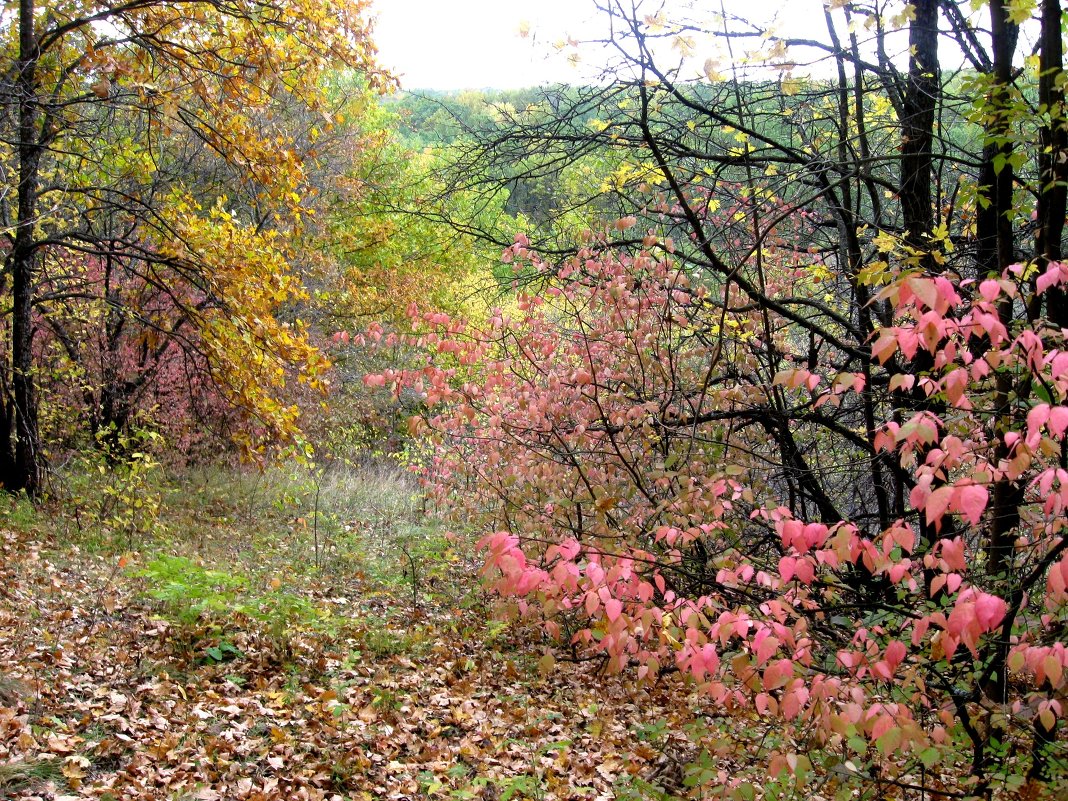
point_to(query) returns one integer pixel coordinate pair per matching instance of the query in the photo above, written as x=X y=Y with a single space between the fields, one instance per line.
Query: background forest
x=696 y=430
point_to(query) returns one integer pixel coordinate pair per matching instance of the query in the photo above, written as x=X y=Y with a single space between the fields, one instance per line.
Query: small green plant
x=520 y=787
x=386 y=700
x=654 y=732
x=223 y=652
x=191 y=593
x=280 y=612
x=378 y=641
x=188 y=590
x=495 y=629
x=429 y=783
x=130 y=501
x=531 y=785
x=702 y=771
x=236 y=679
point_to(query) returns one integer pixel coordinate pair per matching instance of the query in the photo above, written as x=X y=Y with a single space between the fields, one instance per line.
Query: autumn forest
x=696 y=429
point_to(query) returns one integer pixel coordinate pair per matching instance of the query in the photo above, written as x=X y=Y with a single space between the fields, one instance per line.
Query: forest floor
x=226 y=636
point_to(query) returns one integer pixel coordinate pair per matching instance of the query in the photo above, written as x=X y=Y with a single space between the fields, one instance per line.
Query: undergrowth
x=220 y=552
x=332 y=593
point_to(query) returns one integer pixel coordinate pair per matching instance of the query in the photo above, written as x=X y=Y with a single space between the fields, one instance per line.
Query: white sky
x=470 y=44
x=473 y=44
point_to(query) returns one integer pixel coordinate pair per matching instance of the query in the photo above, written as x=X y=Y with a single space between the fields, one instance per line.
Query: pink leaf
x=592 y=602
x=1058 y=420
x=953 y=581
x=766 y=648
x=885 y=345
x=762 y=703
x=613 y=609
x=895 y=653
x=937 y=503
x=989 y=610
x=882 y=726
x=899 y=571
x=971 y=501
x=919 y=494
x=1036 y=418
x=925 y=291
x=710 y=658
x=904 y=536
x=778 y=673
x=787 y=567
x=989 y=289
x=955 y=385
x=953 y=553
x=1051 y=277
x=882 y=670
x=791 y=705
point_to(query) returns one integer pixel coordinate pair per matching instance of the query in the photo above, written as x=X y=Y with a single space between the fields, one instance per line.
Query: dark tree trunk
x=7 y=440
x=920 y=100
x=27 y=468
x=1053 y=157
x=26 y=473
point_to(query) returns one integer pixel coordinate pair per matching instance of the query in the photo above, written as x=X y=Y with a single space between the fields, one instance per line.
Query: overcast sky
x=473 y=44
x=466 y=44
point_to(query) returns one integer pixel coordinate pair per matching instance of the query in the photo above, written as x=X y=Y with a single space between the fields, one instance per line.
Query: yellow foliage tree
x=156 y=132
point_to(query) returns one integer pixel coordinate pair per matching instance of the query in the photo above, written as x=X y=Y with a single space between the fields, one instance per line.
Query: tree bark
x=920 y=100
x=26 y=472
x=1052 y=157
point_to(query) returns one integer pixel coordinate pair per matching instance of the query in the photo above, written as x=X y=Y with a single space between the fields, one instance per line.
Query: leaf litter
x=102 y=697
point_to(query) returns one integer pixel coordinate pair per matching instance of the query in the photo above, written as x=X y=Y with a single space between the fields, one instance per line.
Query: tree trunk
x=921 y=97
x=1053 y=157
x=26 y=474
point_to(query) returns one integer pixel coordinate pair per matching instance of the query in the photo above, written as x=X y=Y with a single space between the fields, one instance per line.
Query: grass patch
x=28 y=774
x=267 y=561
x=12 y=691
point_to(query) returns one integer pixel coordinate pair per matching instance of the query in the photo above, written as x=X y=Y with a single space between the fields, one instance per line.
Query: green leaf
x=930 y=757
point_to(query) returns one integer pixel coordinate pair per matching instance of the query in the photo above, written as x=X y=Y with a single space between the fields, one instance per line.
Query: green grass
x=12 y=690
x=343 y=551
x=29 y=773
